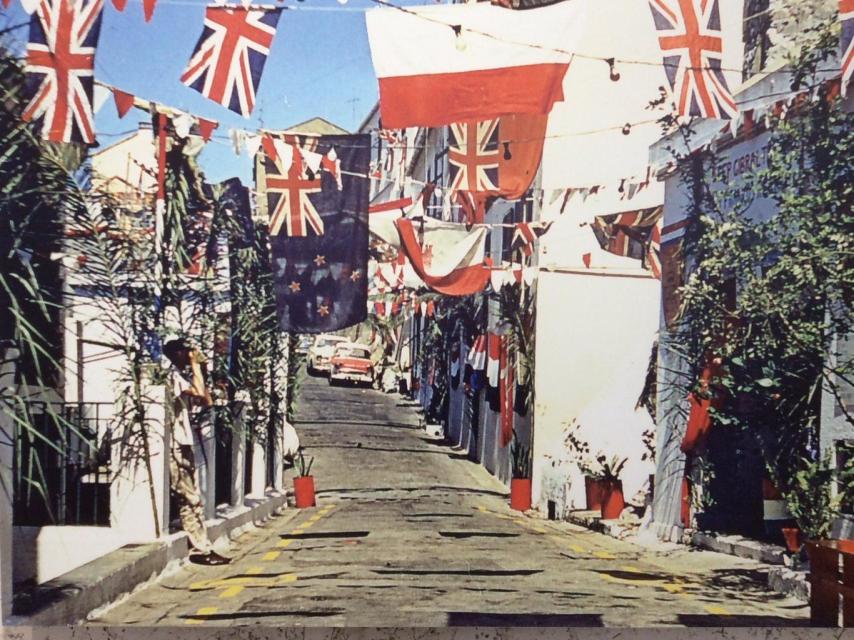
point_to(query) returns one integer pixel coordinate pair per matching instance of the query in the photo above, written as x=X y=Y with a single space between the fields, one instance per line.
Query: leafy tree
x=778 y=340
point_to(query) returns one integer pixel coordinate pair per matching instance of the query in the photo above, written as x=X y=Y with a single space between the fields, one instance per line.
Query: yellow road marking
x=272 y=555
x=673 y=587
x=254 y=571
x=717 y=610
x=604 y=555
x=204 y=611
x=233 y=586
x=284 y=543
x=231 y=592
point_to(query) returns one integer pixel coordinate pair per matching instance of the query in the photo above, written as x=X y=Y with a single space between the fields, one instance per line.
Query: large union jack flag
x=846 y=42
x=229 y=58
x=692 y=45
x=60 y=68
x=473 y=158
x=289 y=190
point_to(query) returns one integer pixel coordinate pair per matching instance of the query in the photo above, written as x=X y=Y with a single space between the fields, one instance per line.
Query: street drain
x=477 y=534
x=324 y=535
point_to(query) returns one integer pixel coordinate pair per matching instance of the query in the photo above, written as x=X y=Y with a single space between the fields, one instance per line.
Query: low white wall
x=43 y=553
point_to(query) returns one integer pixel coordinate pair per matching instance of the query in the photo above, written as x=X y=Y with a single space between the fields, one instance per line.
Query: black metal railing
x=61 y=473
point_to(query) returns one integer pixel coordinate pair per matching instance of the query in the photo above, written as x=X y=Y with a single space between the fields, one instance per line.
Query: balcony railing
x=61 y=471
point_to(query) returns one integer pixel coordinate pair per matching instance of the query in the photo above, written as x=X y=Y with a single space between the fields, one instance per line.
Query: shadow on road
x=458 y=572
x=467 y=619
x=693 y=620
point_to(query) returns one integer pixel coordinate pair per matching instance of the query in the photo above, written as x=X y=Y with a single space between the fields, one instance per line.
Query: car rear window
x=353 y=353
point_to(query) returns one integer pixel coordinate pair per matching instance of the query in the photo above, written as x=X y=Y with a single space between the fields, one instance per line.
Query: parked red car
x=351 y=362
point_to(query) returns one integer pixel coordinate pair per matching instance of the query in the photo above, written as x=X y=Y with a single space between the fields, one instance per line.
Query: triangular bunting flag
x=206 y=128
x=270 y=147
x=148 y=8
x=120 y=4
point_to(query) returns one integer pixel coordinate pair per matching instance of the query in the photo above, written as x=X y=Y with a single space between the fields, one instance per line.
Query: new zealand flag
x=315 y=192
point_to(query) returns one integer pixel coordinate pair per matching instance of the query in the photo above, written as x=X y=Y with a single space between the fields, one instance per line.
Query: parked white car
x=321 y=352
x=351 y=362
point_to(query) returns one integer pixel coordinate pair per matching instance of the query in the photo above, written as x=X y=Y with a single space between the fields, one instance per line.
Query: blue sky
x=319 y=63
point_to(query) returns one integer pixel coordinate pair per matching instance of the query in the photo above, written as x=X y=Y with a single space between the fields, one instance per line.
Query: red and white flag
x=476 y=357
x=440 y=64
x=493 y=359
x=447 y=257
x=383 y=215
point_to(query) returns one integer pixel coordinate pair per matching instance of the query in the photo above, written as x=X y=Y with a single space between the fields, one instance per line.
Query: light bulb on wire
x=461 y=43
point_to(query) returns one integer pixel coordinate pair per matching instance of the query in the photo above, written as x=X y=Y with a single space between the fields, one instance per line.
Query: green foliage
x=598 y=467
x=517 y=310
x=296 y=376
x=811 y=500
x=794 y=278
x=520 y=455
x=36 y=186
x=303 y=467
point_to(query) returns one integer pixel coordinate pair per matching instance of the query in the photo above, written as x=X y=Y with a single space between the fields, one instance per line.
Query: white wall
x=596 y=325
x=129 y=164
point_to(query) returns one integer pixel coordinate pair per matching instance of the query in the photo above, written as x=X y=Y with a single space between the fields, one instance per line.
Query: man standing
x=189 y=391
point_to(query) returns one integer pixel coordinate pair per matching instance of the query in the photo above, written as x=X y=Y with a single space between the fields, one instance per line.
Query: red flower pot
x=612 y=499
x=593 y=493
x=304 y=491
x=520 y=494
x=792 y=536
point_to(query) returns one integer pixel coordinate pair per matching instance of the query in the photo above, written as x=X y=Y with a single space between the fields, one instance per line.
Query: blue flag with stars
x=315 y=190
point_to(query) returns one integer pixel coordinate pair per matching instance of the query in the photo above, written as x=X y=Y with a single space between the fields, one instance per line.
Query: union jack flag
x=634 y=234
x=293 y=208
x=692 y=44
x=846 y=42
x=473 y=157
x=229 y=57
x=525 y=234
x=60 y=68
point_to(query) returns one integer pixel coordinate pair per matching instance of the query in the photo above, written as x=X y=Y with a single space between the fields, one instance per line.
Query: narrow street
x=408 y=532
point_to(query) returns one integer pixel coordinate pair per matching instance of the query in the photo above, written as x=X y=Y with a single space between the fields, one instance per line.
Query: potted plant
x=592 y=477
x=520 y=483
x=612 y=487
x=304 y=482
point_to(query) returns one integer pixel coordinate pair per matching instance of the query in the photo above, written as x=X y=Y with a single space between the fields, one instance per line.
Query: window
x=757 y=21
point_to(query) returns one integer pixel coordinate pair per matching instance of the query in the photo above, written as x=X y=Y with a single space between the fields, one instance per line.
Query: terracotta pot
x=520 y=494
x=304 y=492
x=593 y=493
x=686 y=503
x=793 y=538
x=612 y=499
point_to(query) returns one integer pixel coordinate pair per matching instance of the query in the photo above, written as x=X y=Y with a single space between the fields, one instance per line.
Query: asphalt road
x=408 y=532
